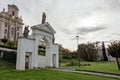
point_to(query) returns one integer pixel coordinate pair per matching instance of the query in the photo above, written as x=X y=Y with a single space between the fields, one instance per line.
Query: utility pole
x=77 y=51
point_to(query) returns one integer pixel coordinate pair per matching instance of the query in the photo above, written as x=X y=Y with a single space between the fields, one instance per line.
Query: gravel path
x=87 y=72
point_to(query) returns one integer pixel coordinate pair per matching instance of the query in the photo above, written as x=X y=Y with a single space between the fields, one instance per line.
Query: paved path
x=86 y=72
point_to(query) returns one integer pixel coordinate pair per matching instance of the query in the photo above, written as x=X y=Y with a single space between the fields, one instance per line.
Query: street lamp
x=77 y=51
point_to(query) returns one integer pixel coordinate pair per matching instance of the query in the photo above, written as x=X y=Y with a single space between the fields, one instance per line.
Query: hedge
x=10 y=47
x=9 y=57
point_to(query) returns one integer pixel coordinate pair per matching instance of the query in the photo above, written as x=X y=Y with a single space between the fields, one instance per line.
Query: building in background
x=11 y=23
x=100 y=54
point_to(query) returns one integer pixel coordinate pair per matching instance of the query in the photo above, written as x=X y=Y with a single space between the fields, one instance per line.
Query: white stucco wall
x=41 y=61
x=31 y=44
x=47 y=61
x=55 y=50
x=24 y=45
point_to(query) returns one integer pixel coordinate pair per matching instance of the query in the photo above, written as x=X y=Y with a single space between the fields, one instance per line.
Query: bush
x=4 y=41
x=10 y=47
x=9 y=57
x=10 y=43
x=72 y=63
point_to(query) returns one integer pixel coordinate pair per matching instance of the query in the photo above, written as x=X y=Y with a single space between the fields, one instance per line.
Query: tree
x=82 y=51
x=88 y=52
x=104 y=52
x=114 y=51
x=65 y=53
x=9 y=57
x=73 y=55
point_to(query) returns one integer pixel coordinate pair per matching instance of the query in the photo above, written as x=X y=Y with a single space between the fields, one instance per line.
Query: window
x=18 y=28
x=13 y=13
x=5 y=37
x=5 y=31
x=41 y=50
x=12 y=31
x=17 y=34
x=5 y=24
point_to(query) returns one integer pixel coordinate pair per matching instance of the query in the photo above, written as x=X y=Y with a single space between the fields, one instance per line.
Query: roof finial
x=20 y=17
x=43 y=17
x=26 y=31
x=3 y=9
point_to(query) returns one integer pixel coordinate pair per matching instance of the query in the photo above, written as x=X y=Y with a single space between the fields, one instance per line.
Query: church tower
x=11 y=23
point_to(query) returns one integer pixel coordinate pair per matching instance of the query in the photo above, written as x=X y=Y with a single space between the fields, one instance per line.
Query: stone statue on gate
x=43 y=18
x=53 y=40
x=26 y=31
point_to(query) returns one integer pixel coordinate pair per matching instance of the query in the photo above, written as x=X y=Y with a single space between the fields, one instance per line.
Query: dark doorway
x=27 y=62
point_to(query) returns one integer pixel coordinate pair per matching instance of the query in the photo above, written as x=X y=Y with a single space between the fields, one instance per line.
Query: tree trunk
x=119 y=59
x=118 y=63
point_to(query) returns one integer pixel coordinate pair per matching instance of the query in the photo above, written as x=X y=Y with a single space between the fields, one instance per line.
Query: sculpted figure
x=26 y=31
x=43 y=18
x=53 y=41
x=3 y=9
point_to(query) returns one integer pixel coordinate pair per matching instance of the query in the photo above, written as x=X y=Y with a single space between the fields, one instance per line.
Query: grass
x=7 y=72
x=109 y=67
x=47 y=75
x=6 y=66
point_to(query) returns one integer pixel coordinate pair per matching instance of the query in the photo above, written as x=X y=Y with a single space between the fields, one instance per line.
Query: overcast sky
x=91 y=20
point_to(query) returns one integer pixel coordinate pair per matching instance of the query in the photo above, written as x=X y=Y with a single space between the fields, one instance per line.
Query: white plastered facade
x=29 y=47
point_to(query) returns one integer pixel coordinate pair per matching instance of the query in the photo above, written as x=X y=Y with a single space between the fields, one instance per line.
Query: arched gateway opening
x=38 y=50
x=42 y=47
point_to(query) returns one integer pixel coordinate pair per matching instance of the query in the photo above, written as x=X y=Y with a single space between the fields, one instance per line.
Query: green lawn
x=7 y=72
x=109 y=67
x=47 y=75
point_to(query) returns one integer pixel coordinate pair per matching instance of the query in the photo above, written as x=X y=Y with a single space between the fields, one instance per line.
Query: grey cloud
x=116 y=34
x=86 y=30
x=113 y=4
x=64 y=30
x=82 y=30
